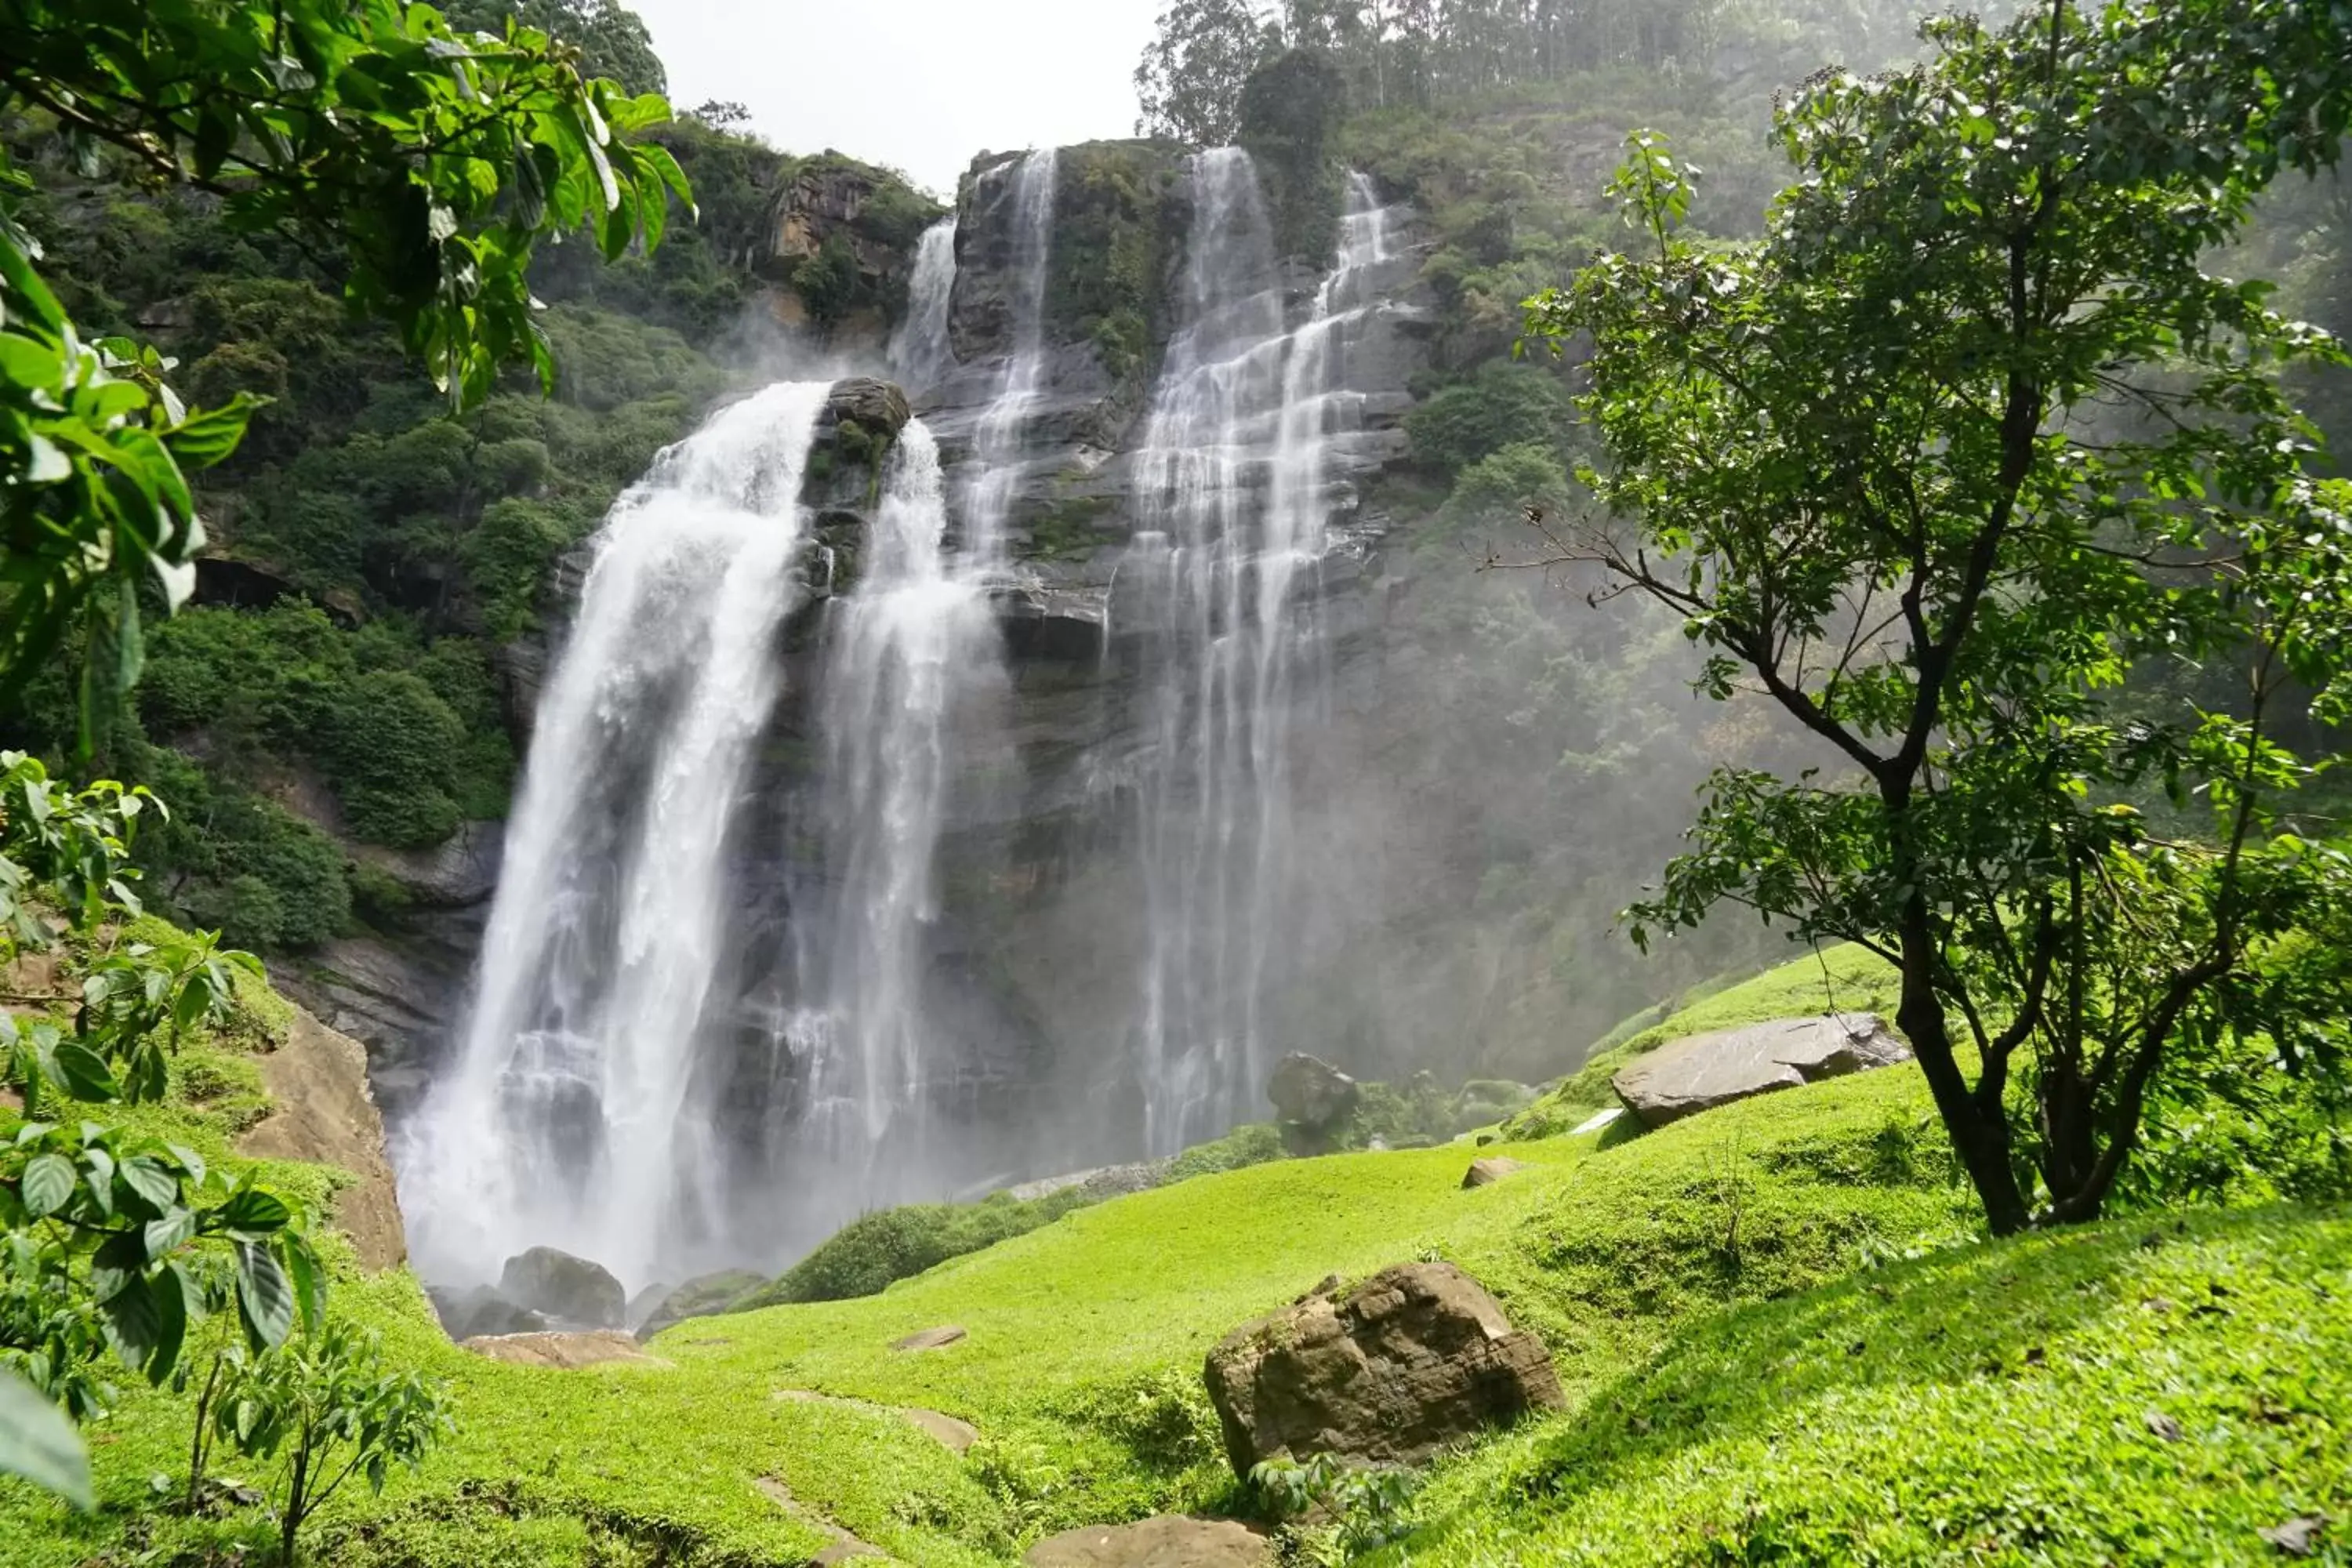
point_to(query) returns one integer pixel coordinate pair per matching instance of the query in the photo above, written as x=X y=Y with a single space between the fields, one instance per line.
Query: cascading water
x=920 y=352
x=1237 y=497
x=998 y=439
x=571 y=1116
x=907 y=649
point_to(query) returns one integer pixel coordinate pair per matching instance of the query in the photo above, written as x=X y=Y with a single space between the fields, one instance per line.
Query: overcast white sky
x=919 y=84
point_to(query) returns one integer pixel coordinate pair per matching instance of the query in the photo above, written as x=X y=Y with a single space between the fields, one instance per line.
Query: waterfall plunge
x=571 y=1116
x=1237 y=498
x=920 y=351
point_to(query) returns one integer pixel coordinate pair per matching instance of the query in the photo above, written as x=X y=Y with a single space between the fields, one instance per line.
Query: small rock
x=955 y=1435
x=1597 y=1120
x=1486 y=1172
x=571 y=1290
x=2297 y=1537
x=929 y=1340
x=569 y=1352
x=2162 y=1425
x=1170 y=1541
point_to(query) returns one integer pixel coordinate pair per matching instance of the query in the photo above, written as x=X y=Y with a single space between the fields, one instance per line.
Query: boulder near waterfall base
x=1389 y=1372
x=1707 y=1071
x=571 y=1290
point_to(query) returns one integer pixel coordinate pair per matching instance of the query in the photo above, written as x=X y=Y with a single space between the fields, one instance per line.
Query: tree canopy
x=418 y=164
x=1966 y=438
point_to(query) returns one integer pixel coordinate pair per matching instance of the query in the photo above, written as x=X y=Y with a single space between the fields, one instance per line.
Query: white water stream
x=571 y=1116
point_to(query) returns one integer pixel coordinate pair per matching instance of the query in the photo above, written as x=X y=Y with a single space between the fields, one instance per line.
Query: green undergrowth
x=2135 y=1392
x=1843 y=979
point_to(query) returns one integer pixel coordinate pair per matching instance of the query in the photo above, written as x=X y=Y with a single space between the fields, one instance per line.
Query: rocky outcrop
x=1389 y=1372
x=842 y=237
x=318 y=1079
x=1170 y=1541
x=704 y=1297
x=568 y=1289
x=1707 y=1070
x=1312 y=1095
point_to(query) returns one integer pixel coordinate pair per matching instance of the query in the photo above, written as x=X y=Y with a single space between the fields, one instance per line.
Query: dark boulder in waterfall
x=877 y=406
x=1310 y=1094
x=566 y=1289
x=703 y=1297
x=471 y=1314
x=1414 y=1359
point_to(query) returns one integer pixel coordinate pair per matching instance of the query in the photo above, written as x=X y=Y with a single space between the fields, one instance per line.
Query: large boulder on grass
x=705 y=1296
x=1388 y=1371
x=1707 y=1070
x=572 y=1291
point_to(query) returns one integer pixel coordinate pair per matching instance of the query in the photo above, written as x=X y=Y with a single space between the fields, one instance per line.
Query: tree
x=417 y=165
x=1963 y=440
x=1188 y=82
x=612 y=39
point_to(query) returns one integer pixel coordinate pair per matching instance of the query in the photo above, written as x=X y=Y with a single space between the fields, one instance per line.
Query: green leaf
x=151 y=1182
x=250 y=1209
x=50 y=1181
x=210 y=434
x=84 y=1074
x=309 y=1282
x=265 y=1298
x=163 y=1236
x=37 y=1443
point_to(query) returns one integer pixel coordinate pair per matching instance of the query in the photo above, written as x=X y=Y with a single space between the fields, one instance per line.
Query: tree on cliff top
x=418 y=164
x=1964 y=439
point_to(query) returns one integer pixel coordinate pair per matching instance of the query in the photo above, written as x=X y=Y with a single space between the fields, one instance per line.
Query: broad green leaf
x=50 y=1181
x=37 y=1443
x=265 y=1298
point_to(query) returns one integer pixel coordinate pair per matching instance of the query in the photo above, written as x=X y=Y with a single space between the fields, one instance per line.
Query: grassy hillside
x=1754 y=1372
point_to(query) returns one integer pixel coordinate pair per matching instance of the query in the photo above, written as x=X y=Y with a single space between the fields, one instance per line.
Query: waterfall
x=1236 y=500
x=919 y=352
x=571 y=1117
x=913 y=647
x=998 y=441
x=913 y=640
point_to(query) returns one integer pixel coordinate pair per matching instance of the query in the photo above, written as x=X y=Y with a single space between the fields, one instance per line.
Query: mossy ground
x=1754 y=1368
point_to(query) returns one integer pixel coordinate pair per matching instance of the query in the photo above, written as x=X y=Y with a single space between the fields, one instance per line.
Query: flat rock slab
x=929 y=1340
x=1707 y=1071
x=569 y=1352
x=1597 y=1120
x=955 y=1435
x=1486 y=1172
x=845 y=1546
x=1170 y=1541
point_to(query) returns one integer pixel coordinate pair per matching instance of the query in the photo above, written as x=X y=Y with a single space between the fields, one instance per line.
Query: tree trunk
x=1979 y=1137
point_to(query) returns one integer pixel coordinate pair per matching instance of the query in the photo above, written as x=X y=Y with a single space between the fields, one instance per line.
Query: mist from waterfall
x=573 y=1115
x=1236 y=493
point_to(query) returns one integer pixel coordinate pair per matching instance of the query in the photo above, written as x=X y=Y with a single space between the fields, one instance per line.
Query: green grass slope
x=1753 y=1369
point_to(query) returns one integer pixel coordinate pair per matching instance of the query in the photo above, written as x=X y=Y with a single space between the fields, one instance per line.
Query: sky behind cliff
x=919 y=84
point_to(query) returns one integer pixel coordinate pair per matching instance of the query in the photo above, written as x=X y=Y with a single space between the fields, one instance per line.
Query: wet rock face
x=1417 y=1357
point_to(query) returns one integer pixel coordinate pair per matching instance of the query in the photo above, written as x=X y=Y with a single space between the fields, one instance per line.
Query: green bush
x=1508 y=403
